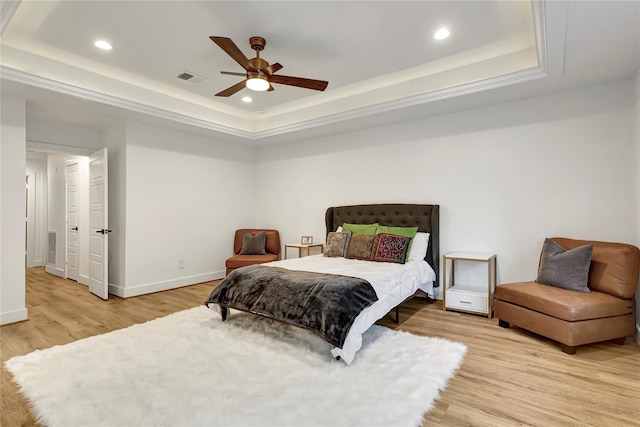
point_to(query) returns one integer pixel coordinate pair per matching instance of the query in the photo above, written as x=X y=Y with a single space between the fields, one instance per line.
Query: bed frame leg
x=397 y=315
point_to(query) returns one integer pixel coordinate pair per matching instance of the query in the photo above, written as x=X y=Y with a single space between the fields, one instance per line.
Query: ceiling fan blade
x=233 y=89
x=299 y=82
x=234 y=74
x=272 y=69
x=232 y=50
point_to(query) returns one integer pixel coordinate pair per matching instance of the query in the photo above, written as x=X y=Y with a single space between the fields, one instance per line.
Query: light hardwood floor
x=509 y=377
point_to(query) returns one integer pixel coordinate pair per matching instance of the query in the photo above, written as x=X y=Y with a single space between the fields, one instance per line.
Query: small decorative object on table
x=306 y=240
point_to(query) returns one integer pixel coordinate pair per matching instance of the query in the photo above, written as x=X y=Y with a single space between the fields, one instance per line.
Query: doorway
x=62 y=232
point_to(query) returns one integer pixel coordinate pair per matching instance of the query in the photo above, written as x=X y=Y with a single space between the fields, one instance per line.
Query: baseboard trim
x=83 y=280
x=14 y=316
x=132 y=291
x=55 y=271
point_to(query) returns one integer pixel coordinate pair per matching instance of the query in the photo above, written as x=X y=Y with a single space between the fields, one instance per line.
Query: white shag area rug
x=191 y=369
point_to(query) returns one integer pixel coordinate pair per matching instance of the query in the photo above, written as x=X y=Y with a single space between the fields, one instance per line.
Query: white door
x=98 y=225
x=72 y=258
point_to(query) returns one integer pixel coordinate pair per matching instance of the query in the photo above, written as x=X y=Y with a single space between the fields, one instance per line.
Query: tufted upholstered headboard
x=425 y=217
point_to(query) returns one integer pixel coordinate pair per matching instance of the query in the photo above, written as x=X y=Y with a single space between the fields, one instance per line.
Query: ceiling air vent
x=190 y=77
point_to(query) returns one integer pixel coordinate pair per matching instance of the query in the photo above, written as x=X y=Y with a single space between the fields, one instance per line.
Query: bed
x=358 y=292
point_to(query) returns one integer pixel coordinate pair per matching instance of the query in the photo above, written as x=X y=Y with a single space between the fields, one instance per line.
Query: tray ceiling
x=379 y=57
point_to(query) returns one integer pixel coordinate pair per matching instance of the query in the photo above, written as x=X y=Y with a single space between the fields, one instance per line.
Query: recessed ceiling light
x=246 y=99
x=441 y=34
x=103 y=44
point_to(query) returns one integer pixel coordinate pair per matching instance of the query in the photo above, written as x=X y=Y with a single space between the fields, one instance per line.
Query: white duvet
x=392 y=282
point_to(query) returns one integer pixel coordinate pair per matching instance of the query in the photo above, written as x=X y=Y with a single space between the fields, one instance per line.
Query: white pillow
x=339 y=229
x=419 y=247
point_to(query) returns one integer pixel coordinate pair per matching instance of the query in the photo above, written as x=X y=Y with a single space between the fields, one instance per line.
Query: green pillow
x=361 y=228
x=409 y=232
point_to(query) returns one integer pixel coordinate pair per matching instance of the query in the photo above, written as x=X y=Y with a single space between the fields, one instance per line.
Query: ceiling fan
x=259 y=74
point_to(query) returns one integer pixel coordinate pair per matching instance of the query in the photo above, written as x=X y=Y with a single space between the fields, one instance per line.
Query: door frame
x=84 y=154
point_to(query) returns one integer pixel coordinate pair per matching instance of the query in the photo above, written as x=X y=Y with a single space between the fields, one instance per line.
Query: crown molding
x=461 y=90
x=538 y=9
x=541 y=71
x=9 y=8
x=538 y=12
x=413 y=101
x=22 y=77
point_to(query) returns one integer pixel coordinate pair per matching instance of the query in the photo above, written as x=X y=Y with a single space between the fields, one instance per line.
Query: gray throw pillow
x=567 y=269
x=254 y=245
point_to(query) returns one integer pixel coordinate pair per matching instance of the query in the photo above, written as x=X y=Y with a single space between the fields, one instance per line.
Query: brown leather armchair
x=575 y=318
x=272 y=248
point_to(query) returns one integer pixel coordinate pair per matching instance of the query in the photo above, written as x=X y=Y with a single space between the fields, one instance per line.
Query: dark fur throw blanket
x=324 y=303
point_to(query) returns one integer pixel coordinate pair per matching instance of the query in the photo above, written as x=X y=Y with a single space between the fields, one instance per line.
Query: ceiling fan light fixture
x=258 y=83
x=260 y=75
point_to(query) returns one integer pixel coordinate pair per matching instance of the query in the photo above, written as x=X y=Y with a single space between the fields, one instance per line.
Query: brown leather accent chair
x=272 y=249
x=576 y=318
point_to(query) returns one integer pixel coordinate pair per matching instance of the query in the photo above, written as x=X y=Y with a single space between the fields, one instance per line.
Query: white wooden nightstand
x=476 y=298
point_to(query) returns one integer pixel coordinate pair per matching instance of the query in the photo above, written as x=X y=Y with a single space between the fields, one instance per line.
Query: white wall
x=115 y=141
x=172 y=196
x=12 y=209
x=636 y=137
x=66 y=137
x=505 y=177
x=185 y=197
x=636 y=177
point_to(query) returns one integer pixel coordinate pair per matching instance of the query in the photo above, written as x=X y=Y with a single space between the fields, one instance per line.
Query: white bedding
x=392 y=282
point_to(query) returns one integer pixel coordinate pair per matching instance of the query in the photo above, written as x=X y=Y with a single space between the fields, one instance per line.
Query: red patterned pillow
x=390 y=248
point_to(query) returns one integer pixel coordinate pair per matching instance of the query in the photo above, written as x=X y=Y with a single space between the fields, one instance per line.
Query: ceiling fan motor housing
x=257 y=43
x=259 y=63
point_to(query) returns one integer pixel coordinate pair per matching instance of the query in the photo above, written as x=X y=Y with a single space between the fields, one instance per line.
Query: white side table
x=301 y=246
x=469 y=297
